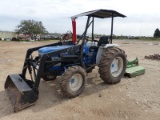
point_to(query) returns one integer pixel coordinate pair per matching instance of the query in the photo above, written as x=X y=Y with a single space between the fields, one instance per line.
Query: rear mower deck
x=133 y=69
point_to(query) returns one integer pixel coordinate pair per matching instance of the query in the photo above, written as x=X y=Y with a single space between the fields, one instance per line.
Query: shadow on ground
x=50 y=95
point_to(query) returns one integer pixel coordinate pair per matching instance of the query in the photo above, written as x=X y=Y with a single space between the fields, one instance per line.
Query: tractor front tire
x=73 y=81
x=112 y=65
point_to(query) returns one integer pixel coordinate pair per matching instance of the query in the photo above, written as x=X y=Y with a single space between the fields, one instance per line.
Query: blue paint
x=86 y=49
x=56 y=68
x=45 y=50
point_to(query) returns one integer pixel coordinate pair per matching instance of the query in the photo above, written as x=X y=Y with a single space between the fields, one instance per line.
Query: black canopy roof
x=100 y=13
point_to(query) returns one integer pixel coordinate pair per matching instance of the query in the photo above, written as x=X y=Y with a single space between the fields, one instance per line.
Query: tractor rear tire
x=73 y=81
x=112 y=65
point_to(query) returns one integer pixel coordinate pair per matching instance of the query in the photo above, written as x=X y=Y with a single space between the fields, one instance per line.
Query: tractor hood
x=45 y=50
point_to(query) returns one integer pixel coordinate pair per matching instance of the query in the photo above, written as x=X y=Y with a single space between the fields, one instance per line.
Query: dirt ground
x=135 y=98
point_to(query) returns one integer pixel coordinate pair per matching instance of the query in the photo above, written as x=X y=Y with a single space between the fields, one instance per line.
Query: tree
x=157 y=33
x=31 y=27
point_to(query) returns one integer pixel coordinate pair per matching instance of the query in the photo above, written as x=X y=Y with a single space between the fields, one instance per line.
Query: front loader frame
x=43 y=60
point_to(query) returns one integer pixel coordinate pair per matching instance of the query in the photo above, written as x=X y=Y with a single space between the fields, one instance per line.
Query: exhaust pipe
x=20 y=92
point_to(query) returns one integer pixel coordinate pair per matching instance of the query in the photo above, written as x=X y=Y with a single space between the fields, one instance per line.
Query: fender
x=101 y=50
x=111 y=45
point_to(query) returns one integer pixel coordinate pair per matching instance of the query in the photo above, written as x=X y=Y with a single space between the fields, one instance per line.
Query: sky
x=143 y=16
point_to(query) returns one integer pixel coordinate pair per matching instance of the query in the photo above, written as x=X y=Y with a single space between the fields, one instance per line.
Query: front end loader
x=24 y=92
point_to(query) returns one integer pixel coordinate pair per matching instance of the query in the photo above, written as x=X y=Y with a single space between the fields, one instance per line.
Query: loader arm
x=43 y=59
x=30 y=51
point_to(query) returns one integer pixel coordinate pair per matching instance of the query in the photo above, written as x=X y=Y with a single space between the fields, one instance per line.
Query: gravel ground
x=135 y=98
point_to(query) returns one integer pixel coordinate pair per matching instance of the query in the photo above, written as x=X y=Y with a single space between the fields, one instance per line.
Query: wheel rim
x=75 y=82
x=116 y=66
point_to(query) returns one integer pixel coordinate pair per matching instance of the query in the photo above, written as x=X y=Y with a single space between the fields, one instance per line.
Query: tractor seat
x=103 y=41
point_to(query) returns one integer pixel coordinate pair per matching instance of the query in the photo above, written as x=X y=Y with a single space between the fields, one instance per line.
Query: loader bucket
x=20 y=93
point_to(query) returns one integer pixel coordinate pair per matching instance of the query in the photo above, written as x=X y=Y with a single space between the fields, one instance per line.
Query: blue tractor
x=69 y=59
